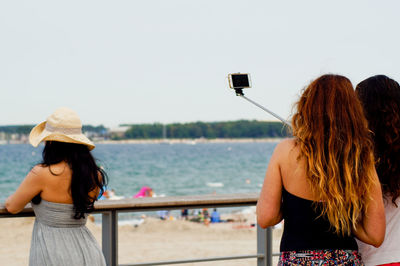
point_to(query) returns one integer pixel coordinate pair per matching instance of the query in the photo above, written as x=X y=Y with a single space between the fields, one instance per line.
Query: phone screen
x=240 y=81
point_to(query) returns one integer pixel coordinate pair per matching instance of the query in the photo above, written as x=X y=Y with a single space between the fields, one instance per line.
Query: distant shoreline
x=167 y=141
x=188 y=141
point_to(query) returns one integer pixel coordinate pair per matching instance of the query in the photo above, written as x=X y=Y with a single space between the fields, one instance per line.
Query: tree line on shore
x=209 y=130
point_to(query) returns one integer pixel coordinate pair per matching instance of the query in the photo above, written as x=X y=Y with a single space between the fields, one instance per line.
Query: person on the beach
x=63 y=189
x=185 y=214
x=380 y=97
x=323 y=181
x=144 y=192
x=215 y=216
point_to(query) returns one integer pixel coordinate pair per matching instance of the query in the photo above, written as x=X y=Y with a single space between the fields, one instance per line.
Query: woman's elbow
x=10 y=208
x=262 y=222
x=262 y=218
x=378 y=234
x=377 y=241
x=266 y=220
x=267 y=215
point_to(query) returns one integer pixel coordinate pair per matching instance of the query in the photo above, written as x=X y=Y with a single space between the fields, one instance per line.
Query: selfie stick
x=239 y=92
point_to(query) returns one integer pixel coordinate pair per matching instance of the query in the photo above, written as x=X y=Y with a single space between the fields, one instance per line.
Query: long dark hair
x=85 y=172
x=380 y=97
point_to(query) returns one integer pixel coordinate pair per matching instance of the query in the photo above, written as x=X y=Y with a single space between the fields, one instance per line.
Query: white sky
x=166 y=61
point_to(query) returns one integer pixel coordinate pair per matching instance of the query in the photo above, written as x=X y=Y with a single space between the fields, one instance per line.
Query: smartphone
x=239 y=80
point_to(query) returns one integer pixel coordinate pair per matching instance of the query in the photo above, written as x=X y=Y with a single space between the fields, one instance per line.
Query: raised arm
x=269 y=204
x=31 y=186
x=371 y=229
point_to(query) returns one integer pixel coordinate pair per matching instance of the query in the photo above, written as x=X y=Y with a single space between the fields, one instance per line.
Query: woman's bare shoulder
x=49 y=171
x=39 y=170
x=286 y=145
x=288 y=154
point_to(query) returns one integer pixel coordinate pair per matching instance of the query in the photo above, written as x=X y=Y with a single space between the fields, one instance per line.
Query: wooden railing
x=110 y=209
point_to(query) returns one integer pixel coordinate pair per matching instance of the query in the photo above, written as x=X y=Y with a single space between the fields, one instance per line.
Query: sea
x=169 y=169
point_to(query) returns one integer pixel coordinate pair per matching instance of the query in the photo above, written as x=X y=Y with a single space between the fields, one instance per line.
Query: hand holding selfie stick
x=240 y=81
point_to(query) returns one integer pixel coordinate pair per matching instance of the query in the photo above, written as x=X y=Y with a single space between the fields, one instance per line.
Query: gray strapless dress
x=59 y=239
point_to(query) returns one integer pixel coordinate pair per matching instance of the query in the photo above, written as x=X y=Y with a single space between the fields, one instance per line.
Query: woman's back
x=56 y=180
x=304 y=229
x=293 y=170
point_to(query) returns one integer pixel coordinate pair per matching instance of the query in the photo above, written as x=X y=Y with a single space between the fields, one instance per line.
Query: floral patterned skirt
x=320 y=257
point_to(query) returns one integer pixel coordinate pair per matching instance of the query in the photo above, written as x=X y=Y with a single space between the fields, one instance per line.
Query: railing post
x=264 y=246
x=110 y=237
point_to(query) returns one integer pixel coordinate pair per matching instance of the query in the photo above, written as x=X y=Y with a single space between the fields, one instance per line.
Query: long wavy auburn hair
x=380 y=97
x=332 y=134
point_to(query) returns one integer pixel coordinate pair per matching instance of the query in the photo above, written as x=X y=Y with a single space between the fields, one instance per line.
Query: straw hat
x=63 y=125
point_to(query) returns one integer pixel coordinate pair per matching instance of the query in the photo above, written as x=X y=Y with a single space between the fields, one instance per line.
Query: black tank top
x=304 y=230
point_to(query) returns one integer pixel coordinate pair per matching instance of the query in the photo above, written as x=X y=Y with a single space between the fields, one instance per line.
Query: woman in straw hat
x=380 y=96
x=323 y=182
x=63 y=189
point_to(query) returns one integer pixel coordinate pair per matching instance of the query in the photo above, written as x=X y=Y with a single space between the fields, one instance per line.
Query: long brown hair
x=332 y=134
x=380 y=97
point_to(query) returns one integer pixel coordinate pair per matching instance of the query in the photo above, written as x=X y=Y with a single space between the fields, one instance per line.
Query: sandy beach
x=153 y=240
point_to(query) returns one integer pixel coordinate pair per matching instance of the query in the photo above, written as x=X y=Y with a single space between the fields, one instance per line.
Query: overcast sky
x=167 y=61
